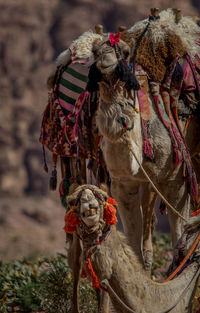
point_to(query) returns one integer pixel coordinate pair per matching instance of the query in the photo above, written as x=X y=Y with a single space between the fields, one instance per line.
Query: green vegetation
x=45 y=284
x=42 y=284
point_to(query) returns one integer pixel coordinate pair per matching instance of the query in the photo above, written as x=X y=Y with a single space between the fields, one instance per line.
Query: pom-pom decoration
x=114 y=39
x=112 y=201
x=71 y=221
x=195 y=213
x=110 y=213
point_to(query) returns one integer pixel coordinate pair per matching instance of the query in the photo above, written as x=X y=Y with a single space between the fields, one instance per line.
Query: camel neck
x=116 y=262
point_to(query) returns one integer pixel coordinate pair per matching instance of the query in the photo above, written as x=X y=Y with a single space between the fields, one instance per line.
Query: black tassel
x=44 y=158
x=94 y=77
x=125 y=75
x=90 y=163
x=53 y=180
x=178 y=73
x=162 y=207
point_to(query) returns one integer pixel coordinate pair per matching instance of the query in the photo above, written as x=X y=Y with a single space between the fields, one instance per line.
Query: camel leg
x=148 y=199
x=103 y=301
x=176 y=193
x=74 y=259
x=126 y=193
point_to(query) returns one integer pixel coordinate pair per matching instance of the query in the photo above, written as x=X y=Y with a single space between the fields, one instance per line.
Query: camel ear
x=82 y=48
x=97 y=42
x=73 y=187
x=105 y=188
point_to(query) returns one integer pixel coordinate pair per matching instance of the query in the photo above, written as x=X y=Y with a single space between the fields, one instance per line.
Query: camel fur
x=126 y=175
x=118 y=268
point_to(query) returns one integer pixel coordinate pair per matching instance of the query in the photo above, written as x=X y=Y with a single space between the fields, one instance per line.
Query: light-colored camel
x=117 y=266
x=126 y=174
x=84 y=48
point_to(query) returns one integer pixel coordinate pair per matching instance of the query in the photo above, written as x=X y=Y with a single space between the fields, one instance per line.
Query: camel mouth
x=90 y=213
x=91 y=216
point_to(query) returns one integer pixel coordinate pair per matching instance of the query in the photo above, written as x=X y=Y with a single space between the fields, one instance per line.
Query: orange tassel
x=110 y=214
x=112 y=201
x=69 y=229
x=83 y=273
x=95 y=281
x=71 y=221
x=195 y=213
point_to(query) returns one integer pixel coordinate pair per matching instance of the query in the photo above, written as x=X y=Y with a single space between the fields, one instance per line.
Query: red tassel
x=95 y=281
x=195 y=213
x=71 y=221
x=83 y=273
x=112 y=201
x=69 y=229
x=110 y=214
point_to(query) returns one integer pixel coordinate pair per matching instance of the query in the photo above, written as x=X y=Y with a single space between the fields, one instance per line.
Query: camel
x=115 y=115
x=87 y=47
x=117 y=266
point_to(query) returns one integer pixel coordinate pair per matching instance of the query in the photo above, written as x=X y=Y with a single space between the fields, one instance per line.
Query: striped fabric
x=72 y=83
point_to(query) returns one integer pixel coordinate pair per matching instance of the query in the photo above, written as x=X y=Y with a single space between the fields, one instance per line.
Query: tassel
x=89 y=166
x=94 y=77
x=125 y=75
x=178 y=73
x=110 y=214
x=53 y=178
x=147 y=149
x=162 y=207
x=83 y=273
x=71 y=221
x=44 y=159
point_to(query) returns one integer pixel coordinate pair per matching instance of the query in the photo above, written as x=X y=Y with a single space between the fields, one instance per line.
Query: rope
x=184 y=260
x=154 y=187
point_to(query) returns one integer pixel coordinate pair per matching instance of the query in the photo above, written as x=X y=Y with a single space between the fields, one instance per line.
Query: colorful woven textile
x=70 y=85
x=59 y=118
x=143 y=99
x=182 y=155
x=166 y=98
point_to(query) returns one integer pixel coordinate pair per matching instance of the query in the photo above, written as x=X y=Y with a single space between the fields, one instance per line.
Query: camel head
x=90 y=208
x=108 y=52
x=108 y=56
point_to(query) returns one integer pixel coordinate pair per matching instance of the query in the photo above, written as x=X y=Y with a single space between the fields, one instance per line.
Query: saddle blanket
x=70 y=85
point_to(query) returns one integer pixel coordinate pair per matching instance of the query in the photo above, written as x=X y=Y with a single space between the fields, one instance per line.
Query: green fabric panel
x=66 y=98
x=71 y=86
x=65 y=111
x=76 y=74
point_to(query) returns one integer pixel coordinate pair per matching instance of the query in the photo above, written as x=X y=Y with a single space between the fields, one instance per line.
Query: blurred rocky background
x=32 y=34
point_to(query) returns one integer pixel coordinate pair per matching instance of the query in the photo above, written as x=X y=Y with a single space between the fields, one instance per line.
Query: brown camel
x=117 y=266
x=115 y=110
x=126 y=174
